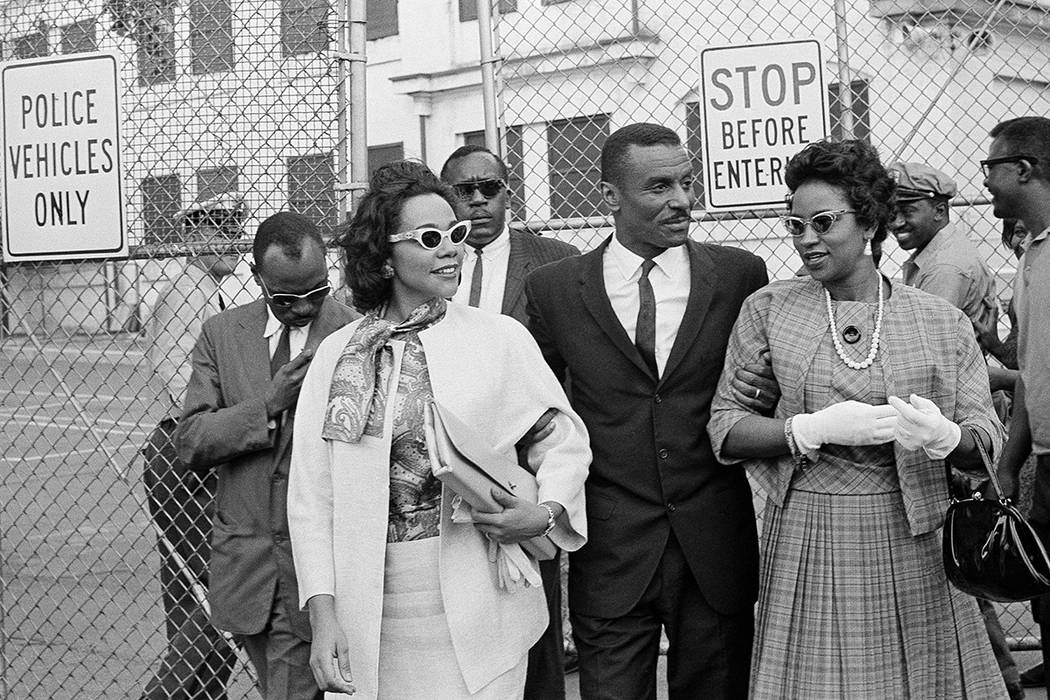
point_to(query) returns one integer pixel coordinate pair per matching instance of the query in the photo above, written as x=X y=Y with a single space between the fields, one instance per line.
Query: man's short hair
x=614 y=152
x=1028 y=136
x=464 y=151
x=288 y=230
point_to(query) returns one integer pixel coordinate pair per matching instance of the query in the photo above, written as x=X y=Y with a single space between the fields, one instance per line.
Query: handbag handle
x=975 y=434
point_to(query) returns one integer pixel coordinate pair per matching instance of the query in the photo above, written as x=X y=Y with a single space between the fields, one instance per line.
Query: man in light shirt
x=496 y=262
x=943 y=262
x=640 y=326
x=248 y=365
x=197 y=661
x=1017 y=174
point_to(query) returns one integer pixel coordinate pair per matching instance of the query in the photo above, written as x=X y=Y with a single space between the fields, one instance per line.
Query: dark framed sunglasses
x=430 y=238
x=284 y=300
x=488 y=188
x=821 y=222
x=986 y=165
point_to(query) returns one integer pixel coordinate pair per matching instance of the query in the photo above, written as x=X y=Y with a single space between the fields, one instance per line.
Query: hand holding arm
x=921 y=424
x=754 y=386
x=329 y=654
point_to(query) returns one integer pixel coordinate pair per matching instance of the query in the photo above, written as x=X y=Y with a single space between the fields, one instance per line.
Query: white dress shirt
x=296 y=335
x=495 y=258
x=670 y=281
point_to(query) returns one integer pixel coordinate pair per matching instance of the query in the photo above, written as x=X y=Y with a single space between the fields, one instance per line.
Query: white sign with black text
x=762 y=103
x=63 y=181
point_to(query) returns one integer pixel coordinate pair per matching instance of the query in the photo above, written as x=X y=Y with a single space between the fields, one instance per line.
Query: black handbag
x=990 y=551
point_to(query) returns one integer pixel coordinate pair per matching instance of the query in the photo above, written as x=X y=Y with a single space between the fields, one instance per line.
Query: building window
x=211 y=182
x=474 y=138
x=211 y=36
x=574 y=148
x=860 y=109
x=694 y=129
x=383 y=154
x=161 y=202
x=382 y=19
x=468 y=9
x=304 y=26
x=79 y=37
x=156 y=50
x=31 y=45
x=311 y=189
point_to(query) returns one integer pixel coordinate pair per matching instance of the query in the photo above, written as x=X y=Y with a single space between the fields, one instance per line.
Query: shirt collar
x=671 y=262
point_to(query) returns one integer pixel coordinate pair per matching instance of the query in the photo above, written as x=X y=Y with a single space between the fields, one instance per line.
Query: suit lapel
x=702 y=277
x=518 y=266
x=255 y=347
x=596 y=300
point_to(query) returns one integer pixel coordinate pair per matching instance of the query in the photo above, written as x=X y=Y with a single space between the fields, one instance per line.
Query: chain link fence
x=234 y=111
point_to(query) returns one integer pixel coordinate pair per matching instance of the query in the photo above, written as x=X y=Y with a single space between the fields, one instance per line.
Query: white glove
x=921 y=424
x=844 y=423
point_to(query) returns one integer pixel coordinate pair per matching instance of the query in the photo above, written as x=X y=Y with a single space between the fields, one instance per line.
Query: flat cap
x=920 y=181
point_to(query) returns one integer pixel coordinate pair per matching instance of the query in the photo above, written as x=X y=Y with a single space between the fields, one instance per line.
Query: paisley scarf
x=359 y=383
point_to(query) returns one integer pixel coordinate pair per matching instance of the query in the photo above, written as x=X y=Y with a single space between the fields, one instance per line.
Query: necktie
x=282 y=354
x=645 y=333
x=475 y=280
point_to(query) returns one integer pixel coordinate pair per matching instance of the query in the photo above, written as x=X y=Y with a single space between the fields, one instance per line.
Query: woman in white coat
x=403 y=601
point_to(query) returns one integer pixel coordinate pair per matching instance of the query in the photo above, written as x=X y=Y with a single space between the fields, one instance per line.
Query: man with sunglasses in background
x=943 y=262
x=495 y=265
x=497 y=259
x=1017 y=174
x=248 y=365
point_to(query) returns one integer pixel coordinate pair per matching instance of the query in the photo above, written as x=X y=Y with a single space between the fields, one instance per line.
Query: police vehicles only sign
x=62 y=182
x=762 y=103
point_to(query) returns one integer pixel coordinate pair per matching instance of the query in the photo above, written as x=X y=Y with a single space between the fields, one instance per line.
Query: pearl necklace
x=874 y=336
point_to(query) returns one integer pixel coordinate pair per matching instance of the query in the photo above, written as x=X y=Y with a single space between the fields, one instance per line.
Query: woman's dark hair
x=854 y=168
x=364 y=238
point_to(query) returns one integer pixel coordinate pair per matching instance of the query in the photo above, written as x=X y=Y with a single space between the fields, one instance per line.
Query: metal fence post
x=488 y=75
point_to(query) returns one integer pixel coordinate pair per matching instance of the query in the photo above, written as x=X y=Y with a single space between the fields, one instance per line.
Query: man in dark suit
x=641 y=326
x=498 y=259
x=494 y=270
x=248 y=365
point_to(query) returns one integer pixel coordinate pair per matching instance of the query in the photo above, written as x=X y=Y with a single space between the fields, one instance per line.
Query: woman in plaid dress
x=854 y=601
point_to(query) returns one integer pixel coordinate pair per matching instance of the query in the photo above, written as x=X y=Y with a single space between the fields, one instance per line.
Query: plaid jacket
x=927 y=348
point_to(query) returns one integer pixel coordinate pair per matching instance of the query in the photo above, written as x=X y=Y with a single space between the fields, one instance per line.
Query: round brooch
x=851 y=334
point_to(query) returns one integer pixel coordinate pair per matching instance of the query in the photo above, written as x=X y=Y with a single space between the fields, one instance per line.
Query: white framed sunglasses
x=430 y=238
x=285 y=300
x=821 y=222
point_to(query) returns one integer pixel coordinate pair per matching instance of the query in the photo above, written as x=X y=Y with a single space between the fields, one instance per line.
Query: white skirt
x=416 y=658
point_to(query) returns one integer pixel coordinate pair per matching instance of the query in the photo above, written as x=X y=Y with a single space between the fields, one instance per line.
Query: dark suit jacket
x=224 y=425
x=528 y=252
x=653 y=470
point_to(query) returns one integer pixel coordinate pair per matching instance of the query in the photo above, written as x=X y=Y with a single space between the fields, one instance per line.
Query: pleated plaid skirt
x=851 y=605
